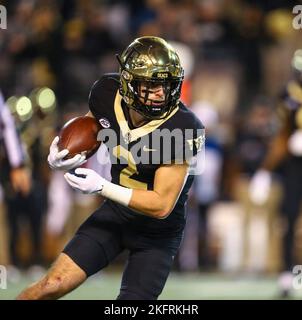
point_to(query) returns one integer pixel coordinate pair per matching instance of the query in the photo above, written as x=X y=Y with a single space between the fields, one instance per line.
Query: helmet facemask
x=141 y=91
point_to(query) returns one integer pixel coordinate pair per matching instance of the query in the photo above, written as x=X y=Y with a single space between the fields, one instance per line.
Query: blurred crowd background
x=237 y=56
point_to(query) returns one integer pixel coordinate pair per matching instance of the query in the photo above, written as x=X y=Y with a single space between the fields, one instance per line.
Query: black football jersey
x=137 y=152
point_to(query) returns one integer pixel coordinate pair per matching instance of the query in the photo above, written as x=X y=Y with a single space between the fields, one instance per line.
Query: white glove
x=85 y=180
x=55 y=158
x=260 y=186
x=295 y=143
x=88 y=181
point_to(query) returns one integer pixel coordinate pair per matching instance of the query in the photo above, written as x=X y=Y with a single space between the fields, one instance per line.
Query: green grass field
x=105 y=286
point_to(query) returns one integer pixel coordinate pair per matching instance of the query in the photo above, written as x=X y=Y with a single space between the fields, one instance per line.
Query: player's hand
x=85 y=180
x=260 y=186
x=55 y=158
x=21 y=180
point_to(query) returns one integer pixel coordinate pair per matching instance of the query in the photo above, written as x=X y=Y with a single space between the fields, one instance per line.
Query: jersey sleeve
x=101 y=95
x=94 y=99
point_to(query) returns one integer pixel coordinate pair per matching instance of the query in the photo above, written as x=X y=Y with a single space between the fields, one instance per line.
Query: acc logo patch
x=105 y=123
x=198 y=142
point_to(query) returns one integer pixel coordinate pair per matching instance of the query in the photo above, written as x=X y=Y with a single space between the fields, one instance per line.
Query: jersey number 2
x=125 y=175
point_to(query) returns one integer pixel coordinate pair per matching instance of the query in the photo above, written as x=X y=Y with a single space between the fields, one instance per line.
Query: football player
x=286 y=149
x=14 y=177
x=144 y=210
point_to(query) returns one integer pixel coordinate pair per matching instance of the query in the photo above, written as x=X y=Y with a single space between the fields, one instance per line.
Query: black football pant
x=105 y=234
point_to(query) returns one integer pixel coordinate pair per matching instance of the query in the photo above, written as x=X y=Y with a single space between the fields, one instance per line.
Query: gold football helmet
x=151 y=62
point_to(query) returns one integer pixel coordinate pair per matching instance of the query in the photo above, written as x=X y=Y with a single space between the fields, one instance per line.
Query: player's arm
x=157 y=203
x=261 y=181
x=278 y=148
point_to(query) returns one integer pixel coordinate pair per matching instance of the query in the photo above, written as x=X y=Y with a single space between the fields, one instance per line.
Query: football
x=79 y=135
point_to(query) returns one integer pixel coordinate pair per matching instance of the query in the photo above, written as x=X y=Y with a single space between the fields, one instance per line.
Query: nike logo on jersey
x=147 y=149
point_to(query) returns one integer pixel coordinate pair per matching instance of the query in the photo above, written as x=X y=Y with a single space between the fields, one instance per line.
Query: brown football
x=79 y=135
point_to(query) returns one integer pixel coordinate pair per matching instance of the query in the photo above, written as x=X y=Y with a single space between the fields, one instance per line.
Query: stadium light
x=46 y=99
x=24 y=108
x=11 y=103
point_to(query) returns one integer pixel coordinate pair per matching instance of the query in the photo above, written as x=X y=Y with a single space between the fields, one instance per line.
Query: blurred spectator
x=254 y=132
x=286 y=149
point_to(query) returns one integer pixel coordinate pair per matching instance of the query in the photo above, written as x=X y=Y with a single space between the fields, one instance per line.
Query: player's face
x=153 y=94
